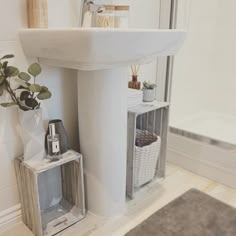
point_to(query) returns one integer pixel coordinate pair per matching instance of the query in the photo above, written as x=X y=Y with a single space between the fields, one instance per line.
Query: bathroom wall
x=191 y=68
x=223 y=59
x=62 y=82
x=204 y=75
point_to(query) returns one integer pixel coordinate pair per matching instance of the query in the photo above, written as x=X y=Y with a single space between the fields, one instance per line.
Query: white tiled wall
x=62 y=82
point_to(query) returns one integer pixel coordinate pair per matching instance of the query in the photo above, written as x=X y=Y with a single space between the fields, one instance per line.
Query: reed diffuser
x=135 y=84
x=37 y=13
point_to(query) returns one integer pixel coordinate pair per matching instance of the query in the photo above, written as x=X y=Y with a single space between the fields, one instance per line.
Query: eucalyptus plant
x=148 y=85
x=27 y=94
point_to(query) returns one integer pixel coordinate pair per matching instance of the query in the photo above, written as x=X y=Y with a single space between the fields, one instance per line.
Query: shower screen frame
x=167 y=20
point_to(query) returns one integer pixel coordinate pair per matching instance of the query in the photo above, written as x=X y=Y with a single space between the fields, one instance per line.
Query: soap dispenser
x=53 y=143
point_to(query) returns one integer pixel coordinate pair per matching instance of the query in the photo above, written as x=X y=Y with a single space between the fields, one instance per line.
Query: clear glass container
x=121 y=16
x=106 y=18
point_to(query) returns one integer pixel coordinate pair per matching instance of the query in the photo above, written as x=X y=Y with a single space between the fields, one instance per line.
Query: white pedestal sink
x=101 y=57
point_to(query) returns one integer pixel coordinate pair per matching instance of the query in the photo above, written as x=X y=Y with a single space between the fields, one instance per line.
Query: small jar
x=134 y=84
x=121 y=16
x=106 y=19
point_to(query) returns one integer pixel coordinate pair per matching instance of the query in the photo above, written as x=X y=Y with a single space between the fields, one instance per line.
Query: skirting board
x=10 y=217
x=203 y=159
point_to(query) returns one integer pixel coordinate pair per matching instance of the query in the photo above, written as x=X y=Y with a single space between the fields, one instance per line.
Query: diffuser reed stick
x=135 y=69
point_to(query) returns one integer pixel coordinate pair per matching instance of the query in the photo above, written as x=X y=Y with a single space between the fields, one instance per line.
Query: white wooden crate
x=152 y=117
x=51 y=193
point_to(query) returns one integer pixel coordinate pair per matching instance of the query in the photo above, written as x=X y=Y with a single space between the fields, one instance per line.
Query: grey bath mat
x=192 y=214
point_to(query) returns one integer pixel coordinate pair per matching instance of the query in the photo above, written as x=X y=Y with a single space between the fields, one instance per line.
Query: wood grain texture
x=28 y=190
x=37 y=11
x=61 y=214
x=73 y=182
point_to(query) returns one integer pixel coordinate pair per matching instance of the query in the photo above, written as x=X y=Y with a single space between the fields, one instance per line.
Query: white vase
x=148 y=95
x=10 y=141
x=32 y=134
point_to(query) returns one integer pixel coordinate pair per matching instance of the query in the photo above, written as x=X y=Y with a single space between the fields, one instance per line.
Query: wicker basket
x=147 y=148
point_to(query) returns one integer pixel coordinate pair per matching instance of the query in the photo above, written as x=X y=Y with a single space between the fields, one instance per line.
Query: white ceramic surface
x=98 y=48
x=149 y=95
x=102 y=57
x=103 y=133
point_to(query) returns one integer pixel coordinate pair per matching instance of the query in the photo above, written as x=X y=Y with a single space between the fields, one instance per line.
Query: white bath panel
x=208 y=160
x=216 y=126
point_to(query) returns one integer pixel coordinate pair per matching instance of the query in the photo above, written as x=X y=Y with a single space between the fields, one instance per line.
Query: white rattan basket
x=147 y=149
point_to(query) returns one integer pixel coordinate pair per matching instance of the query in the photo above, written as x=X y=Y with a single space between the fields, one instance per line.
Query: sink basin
x=98 y=48
x=102 y=57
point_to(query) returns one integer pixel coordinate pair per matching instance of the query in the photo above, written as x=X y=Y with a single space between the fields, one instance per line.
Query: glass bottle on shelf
x=53 y=144
x=134 y=83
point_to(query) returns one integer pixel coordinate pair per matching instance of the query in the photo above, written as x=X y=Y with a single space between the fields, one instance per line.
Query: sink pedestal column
x=102 y=101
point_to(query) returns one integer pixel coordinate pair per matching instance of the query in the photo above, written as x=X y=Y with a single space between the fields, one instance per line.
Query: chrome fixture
x=91 y=6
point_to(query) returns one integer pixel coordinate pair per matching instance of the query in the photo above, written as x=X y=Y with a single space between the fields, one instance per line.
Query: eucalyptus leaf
x=27 y=93
x=35 y=88
x=7 y=104
x=24 y=95
x=31 y=102
x=44 y=95
x=21 y=87
x=24 y=76
x=4 y=65
x=44 y=89
x=11 y=71
x=7 y=56
x=22 y=83
x=35 y=69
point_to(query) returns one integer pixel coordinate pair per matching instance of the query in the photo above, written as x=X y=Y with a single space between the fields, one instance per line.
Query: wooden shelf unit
x=51 y=193
x=152 y=117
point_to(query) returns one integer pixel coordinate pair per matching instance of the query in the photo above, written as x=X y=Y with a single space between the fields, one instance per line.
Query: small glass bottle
x=134 y=84
x=53 y=144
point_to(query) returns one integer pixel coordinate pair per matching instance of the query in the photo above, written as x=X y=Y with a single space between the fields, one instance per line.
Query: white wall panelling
x=10 y=216
x=204 y=74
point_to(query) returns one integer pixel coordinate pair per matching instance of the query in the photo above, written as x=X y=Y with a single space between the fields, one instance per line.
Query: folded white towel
x=134 y=93
x=135 y=97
